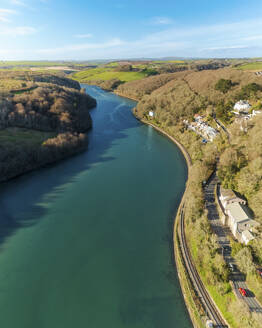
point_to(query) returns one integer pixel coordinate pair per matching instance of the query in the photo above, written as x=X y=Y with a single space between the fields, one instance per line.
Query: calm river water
x=87 y=243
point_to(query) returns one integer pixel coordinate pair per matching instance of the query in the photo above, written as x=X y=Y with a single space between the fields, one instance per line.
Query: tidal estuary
x=87 y=243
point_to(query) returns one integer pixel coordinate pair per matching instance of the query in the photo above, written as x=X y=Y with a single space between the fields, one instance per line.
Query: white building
x=228 y=196
x=151 y=113
x=247 y=237
x=242 y=106
x=202 y=128
x=238 y=216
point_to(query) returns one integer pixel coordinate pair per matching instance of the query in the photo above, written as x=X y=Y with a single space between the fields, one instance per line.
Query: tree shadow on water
x=22 y=199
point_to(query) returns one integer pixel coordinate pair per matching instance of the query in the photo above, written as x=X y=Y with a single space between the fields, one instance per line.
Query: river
x=88 y=242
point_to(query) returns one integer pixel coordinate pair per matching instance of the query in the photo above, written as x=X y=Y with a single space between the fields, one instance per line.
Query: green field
x=251 y=66
x=168 y=62
x=24 y=136
x=11 y=84
x=41 y=64
x=105 y=74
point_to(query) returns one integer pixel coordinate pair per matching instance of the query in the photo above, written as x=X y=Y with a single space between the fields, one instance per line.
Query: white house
x=242 y=106
x=151 y=113
x=228 y=196
x=247 y=237
x=239 y=216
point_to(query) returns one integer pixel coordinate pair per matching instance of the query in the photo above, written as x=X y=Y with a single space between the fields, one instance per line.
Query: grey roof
x=247 y=235
x=228 y=193
x=239 y=212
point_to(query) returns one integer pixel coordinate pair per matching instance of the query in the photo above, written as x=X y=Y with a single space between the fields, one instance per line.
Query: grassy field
x=11 y=84
x=251 y=66
x=168 y=62
x=105 y=74
x=24 y=136
x=41 y=64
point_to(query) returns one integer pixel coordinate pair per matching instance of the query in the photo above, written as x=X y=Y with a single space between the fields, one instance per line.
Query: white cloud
x=18 y=3
x=161 y=21
x=227 y=48
x=7 y=11
x=85 y=46
x=5 y=14
x=4 y=19
x=17 y=31
x=229 y=39
x=253 y=38
x=84 y=36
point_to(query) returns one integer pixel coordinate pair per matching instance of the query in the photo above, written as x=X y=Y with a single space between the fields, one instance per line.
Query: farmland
x=21 y=136
x=11 y=84
x=106 y=73
x=255 y=66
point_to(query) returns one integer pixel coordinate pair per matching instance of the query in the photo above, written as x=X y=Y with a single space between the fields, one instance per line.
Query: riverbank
x=95 y=183
x=194 y=306
x=123 y=96
x=42 y=125
x=192 y=301
x=34 y=156
x=189 y=295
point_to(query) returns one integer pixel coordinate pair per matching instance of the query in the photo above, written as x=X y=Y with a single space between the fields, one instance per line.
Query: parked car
x=242 y=291
x=209 y=324
x=232 y=267
x=227 y=248
x=259 y=271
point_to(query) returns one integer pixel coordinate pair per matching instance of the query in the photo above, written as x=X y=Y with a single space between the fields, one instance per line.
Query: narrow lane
x=222 y=232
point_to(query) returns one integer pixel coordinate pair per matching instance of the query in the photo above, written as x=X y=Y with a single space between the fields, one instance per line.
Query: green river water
x=87 y=243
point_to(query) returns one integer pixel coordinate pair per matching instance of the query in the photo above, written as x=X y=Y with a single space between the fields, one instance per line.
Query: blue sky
x=110 y=29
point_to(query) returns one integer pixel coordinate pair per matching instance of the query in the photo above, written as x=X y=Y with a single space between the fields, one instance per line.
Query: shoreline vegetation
x=44 y=118
x=175 y=95
x=205 y=93
x=191 y=299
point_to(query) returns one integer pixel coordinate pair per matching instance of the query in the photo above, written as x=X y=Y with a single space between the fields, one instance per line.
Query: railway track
x=205 y=299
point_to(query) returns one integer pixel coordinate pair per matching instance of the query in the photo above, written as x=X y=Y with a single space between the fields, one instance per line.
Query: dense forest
x=43 y=121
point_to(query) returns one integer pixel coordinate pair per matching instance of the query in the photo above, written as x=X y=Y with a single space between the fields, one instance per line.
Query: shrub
x=223 y=85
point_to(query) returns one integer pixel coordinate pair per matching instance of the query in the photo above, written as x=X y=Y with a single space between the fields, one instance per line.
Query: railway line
x=205 y=299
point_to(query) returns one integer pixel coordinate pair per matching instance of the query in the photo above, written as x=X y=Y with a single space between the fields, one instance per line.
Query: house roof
x=248 y=225
x=247 y=235
x=228 y=193
x=238 y=212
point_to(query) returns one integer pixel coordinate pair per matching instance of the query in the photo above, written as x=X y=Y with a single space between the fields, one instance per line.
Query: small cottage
x=237 y=216
x=228 y=196
x=151 y=113
x=247 y=236
x=242 y=106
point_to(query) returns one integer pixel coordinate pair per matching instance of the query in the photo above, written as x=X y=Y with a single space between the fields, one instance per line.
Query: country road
x=222 y=232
